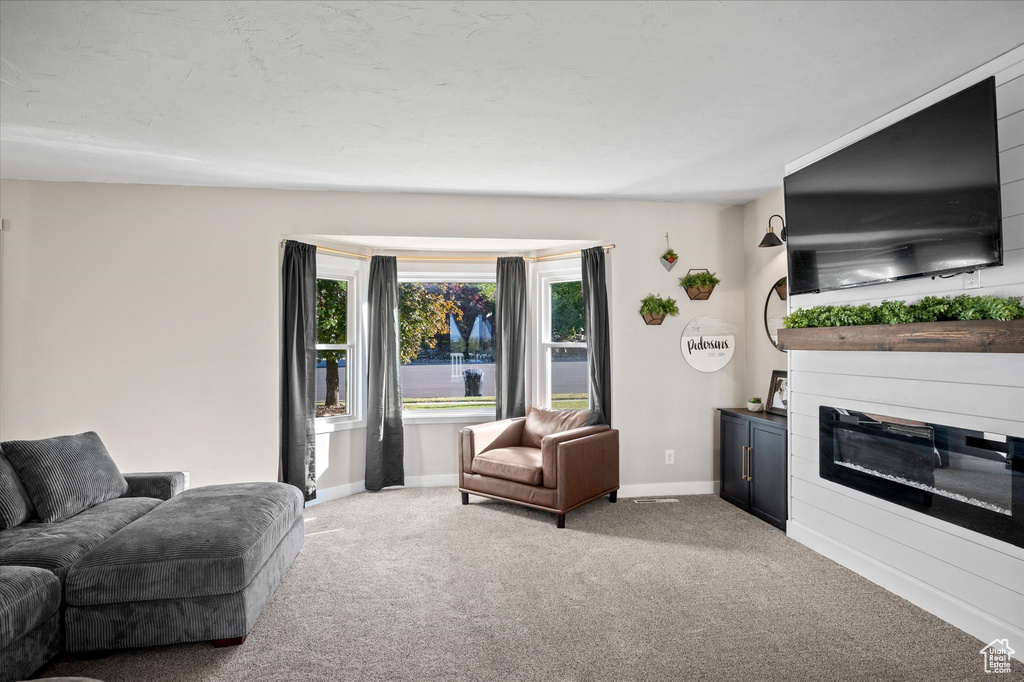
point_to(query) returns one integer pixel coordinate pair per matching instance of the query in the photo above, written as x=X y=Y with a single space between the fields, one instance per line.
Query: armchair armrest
x=163 y=485
x=587 y=467
x=549 y=449
x=479 y=438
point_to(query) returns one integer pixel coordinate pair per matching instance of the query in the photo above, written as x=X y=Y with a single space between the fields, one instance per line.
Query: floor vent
x=654 y=500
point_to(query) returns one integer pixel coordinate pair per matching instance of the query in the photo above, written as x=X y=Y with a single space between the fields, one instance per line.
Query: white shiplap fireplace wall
x=970 y=580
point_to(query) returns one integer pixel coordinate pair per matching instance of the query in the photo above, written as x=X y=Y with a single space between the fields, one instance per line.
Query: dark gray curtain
x=510 y=338
x=298 y=368
x=599 y=356
x=385 y=439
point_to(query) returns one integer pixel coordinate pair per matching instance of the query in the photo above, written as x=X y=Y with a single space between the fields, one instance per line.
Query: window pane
x=331 y=311
x=567 y=311
x=331 y=383
x=569 y=378
x=447 y=345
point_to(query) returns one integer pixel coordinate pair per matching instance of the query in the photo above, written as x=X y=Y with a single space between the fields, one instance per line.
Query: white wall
x=968 y=579
x=150 y=314
x=764 y=268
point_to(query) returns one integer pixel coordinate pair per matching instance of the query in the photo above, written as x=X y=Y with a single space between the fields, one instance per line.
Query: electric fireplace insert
x=971 y=478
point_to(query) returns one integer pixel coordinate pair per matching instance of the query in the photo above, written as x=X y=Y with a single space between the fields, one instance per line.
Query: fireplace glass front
x=971 y=478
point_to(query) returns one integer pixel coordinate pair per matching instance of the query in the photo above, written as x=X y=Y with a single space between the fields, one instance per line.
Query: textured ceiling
x=682 y=100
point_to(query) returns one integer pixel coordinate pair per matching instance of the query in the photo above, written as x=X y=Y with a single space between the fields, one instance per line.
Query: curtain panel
x=385 y=437
x=599 y=358
x=298 y=368
x=510 y=338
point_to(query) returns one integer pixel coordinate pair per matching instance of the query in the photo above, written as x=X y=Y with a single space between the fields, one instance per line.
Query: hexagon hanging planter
x=699 y=291
x=653 y=319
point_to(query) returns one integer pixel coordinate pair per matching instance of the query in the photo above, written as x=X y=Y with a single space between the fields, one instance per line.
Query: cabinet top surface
x=744 y=413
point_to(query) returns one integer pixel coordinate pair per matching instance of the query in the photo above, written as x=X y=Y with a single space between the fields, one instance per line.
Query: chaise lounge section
x=132 y=560
x=199 y=567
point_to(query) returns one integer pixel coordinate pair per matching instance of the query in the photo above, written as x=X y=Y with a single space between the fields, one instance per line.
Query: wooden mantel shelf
x=973 y=336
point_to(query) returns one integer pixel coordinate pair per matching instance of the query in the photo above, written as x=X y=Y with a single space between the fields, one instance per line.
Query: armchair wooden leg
x=613 y=496
x=561 y=521
x=465 y=498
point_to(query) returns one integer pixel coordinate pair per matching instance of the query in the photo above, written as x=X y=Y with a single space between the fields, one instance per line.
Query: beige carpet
x=410 y=585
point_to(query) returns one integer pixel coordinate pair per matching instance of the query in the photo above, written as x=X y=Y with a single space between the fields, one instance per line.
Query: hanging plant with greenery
x=928 y=309
x=656 y=306
x=670 y=255
x=699 y=279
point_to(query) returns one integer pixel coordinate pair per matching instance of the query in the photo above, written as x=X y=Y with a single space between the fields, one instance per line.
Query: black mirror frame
x=767 y=300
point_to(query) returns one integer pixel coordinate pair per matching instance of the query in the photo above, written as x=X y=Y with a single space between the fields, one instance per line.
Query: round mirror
x=775 y=310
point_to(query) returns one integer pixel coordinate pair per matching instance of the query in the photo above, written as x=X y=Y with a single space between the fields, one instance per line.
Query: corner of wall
x=764 y=267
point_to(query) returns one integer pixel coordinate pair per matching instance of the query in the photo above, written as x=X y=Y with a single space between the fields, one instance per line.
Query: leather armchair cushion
x=483 y=437
x=544 y=422
x=519 y=464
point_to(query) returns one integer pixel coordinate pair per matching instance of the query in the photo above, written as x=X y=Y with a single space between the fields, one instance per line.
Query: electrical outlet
x=972 y=280
x=670 y=457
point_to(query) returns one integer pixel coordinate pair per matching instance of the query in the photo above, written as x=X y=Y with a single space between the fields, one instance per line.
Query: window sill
x=447 y=417
x=332 y=424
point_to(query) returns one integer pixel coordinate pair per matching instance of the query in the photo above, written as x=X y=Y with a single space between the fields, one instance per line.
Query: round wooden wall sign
x=707 y=343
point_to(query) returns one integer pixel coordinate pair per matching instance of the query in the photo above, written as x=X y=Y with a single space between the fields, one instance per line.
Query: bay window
x=562 y=379
x=446 y=344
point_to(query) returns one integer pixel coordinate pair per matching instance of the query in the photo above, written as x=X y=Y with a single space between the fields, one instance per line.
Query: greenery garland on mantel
x=928 y=309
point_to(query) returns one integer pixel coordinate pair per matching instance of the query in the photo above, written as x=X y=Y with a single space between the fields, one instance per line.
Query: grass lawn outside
x=560 y=401
x=340 y=409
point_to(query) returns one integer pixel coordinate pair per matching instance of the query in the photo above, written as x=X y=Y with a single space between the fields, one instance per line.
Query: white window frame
x=467 y=274
x=546 y=274
x=355 y=274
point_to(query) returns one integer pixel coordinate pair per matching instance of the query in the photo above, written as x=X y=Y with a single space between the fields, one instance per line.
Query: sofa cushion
x=65 y=475
x=187 y=619
x=544 y=422
x=28 y=596
x=205 y=541
x=56 y=546
x=15 y=507
x=520 y=464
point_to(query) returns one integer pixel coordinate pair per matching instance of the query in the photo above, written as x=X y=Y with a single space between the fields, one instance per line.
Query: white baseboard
x=669 y=488
x=955 y=612
x=436 y=481
x=336 y=493
x=440 y=480
x=339 y=491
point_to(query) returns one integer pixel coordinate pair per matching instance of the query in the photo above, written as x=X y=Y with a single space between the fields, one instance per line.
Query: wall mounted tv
x=918 y=198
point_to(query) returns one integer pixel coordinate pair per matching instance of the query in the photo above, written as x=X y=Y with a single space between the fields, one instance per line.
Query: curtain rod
x=482 y=259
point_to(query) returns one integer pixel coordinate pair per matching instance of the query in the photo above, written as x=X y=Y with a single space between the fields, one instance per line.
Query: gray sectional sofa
x=92 y=560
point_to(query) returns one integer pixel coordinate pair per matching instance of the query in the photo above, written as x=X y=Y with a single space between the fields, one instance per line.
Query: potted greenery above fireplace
x=965 y=324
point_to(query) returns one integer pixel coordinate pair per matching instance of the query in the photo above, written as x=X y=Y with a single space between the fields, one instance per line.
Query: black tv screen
x=920 y=197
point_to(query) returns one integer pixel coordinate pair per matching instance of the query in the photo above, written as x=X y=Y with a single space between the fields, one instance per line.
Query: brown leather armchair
x=547 y=460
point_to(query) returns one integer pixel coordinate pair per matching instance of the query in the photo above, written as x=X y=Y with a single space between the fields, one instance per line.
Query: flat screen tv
x=918 y=198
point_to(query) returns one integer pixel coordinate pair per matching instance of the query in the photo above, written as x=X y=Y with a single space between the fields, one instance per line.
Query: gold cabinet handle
x=744 y=465
x=750 y=454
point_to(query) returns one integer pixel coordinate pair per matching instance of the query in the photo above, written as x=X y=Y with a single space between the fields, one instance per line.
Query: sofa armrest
x=163 y=485
x=549 y=448
x=480 y=438
x=587 y=467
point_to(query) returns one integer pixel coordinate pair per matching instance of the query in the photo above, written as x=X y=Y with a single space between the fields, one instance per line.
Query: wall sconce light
x=770 y=238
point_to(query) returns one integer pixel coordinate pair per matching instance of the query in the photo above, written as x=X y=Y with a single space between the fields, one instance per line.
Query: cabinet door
x=768 y=474
x=734 y=437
